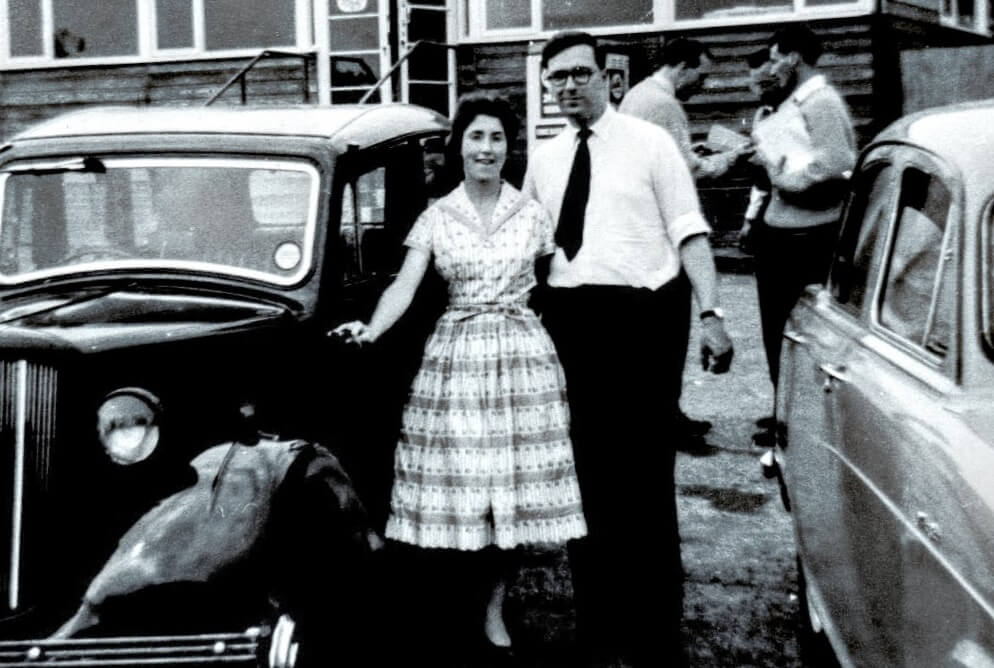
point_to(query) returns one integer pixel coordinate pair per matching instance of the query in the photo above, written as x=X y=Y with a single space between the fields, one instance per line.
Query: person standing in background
x=659 y=99
x=628 y=222
x=807 y=148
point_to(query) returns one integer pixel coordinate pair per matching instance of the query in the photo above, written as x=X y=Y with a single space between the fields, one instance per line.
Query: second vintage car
x=168 y=278
x=885 y=402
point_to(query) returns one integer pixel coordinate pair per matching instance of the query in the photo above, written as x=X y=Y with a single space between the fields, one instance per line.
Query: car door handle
x=794 y=337
x=928 y=527
x=833 y=374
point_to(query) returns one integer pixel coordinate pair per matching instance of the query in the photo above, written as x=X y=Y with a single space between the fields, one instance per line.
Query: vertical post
x=17 y=510
x=322 y=41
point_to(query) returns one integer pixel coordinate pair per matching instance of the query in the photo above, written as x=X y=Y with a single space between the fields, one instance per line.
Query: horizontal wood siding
x=27 y=97
x=849 y=62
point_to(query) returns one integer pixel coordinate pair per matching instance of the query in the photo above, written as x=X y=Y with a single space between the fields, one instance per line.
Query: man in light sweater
x=808 y=149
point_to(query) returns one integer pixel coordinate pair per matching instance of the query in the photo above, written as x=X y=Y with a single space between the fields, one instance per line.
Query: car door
x=820 y=335
x=906 y=443
x=381 y=192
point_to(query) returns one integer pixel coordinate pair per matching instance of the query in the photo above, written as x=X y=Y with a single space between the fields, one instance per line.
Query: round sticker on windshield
x=287 y=256
x=352 y=6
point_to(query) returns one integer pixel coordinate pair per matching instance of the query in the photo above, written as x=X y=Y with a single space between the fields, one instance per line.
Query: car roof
x=962 y=134
x=343 y=125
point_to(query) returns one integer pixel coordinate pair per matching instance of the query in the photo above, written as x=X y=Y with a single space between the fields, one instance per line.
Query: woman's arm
x=394 y=301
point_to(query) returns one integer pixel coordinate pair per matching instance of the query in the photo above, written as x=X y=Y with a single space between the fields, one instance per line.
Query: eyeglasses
x=557 y=78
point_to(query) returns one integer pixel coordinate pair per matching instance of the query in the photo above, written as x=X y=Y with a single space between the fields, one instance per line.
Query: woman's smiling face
x=484 y=148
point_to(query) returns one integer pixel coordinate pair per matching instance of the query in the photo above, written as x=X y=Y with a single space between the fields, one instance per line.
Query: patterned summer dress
x=484 y=456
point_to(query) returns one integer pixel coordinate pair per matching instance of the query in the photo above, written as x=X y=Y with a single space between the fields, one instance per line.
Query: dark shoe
x=764 y=438
x=767 y=423
x=693 y=445
x=693 y=427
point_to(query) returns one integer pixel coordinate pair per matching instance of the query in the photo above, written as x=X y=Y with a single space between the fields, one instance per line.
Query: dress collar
x=457 y=204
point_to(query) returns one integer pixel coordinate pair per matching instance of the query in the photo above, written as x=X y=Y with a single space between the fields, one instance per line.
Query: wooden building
x=886 y=56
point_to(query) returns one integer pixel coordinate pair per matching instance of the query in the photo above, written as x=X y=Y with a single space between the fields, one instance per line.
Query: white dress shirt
x=643 y=203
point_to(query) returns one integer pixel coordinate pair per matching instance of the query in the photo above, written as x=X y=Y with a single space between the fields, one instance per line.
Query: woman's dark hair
x=471 y=105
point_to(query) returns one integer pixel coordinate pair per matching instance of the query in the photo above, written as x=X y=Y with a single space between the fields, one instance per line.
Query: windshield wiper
x=81 y=164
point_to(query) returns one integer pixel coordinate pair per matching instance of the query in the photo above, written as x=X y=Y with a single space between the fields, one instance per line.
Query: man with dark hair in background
x=807 y=148
x=629 y=222
x=658 y=99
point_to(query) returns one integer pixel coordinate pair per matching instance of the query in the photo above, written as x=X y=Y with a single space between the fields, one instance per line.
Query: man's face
x=691 y=80
x=783 y=66
x=582 y=102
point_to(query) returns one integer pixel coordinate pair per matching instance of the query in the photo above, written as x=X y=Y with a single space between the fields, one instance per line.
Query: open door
x=427 y=76
x=359 y=49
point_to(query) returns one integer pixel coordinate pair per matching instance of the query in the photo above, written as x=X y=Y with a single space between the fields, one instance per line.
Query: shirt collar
x=664 y=82
x=601 y=127
x=813 y=84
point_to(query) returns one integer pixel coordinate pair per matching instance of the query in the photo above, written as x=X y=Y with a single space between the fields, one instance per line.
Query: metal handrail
x=265 y=53
x=400 y=61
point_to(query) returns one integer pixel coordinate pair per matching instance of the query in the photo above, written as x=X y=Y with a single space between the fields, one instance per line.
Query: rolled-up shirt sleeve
x=676 y=194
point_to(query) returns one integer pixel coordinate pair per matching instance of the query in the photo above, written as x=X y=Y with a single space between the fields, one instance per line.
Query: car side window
x=382 y=195
x=863 y=231
x=916 y=301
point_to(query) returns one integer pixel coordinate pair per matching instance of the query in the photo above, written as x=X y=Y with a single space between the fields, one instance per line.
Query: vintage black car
x=168 y=279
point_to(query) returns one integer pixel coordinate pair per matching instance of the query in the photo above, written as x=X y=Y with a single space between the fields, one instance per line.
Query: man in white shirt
x=610 y=308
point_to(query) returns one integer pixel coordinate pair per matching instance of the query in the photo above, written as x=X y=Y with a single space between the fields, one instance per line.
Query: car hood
x=91 y=321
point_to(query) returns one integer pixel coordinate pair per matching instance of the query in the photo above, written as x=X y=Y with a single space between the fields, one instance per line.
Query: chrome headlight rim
x=128 y=421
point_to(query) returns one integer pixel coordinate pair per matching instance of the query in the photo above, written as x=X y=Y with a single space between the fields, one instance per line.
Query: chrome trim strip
x=20 y=420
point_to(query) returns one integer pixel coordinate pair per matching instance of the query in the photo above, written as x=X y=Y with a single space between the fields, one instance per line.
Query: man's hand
x=716 y=346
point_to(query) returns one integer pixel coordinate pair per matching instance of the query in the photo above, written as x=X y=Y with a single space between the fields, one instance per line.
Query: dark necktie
x=569 y=231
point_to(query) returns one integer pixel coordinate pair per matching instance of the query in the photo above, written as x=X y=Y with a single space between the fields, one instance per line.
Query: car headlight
x=128 y=424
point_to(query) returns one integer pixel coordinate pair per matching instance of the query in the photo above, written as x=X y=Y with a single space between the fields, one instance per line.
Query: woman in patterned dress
x=484 y=456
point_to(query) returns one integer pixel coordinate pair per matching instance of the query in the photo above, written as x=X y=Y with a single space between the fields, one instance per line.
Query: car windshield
x=246 y=217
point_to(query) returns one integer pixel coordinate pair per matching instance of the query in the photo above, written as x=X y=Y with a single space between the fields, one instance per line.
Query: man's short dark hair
x=757 y=59
x=568 y=39
x=798 y=39
x=686 y=51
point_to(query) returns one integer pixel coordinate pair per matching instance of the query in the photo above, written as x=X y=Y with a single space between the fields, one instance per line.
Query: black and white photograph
x=497 y=333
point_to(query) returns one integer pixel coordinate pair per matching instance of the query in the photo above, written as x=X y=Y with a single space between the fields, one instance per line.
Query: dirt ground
x=741 y=607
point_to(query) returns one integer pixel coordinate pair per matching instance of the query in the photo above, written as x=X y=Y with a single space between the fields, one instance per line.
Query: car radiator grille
x=27 y=431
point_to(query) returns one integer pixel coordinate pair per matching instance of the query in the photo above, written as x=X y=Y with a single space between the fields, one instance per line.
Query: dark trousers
x=622 y=350
x=786 y=261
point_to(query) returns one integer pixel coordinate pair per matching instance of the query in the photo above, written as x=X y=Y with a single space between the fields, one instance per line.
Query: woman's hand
x=353 y=332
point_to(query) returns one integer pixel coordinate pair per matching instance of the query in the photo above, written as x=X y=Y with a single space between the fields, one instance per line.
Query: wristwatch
x=713 y=313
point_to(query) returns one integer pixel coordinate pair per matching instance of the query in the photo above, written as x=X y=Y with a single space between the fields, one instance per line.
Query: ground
x=741 y=607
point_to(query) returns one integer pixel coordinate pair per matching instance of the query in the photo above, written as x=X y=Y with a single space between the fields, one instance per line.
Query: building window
x=495 y=18
x=25 y=28
x=564 y=14
x=174 y=24
x=972 y=15
x=61 y=30
x=509 y=14
x=236 y=24
x=84 y=29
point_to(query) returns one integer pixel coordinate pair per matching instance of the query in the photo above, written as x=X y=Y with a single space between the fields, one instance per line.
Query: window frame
x=904 y=158
x=949 y=16
x=474 y=28
x=147 y=37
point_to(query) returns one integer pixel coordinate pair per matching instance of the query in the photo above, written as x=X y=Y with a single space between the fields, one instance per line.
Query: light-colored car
x=886 y=404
